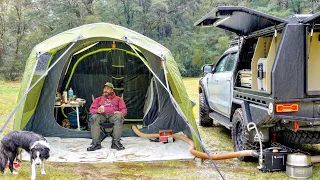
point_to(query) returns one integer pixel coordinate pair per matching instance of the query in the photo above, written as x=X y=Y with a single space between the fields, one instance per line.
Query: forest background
x=25 y=23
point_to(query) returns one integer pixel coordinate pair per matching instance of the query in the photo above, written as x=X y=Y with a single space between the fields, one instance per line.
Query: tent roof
x=103 y=30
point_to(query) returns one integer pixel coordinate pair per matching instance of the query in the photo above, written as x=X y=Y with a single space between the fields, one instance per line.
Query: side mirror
x=207 y=68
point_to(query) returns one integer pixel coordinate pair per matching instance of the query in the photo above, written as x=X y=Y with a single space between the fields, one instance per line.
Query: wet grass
x=216 y=140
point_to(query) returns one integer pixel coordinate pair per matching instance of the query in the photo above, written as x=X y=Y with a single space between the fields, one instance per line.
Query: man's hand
x=118 y=112
x=99 y=110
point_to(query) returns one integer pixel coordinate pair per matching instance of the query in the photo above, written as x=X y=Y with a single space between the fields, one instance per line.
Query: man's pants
x=96 y=119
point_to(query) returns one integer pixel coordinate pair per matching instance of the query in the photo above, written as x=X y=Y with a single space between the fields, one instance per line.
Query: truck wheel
x=204 y=119
x=240 y=135
x=299 y=137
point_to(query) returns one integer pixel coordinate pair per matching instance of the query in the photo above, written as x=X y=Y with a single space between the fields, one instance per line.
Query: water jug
x=70 y=94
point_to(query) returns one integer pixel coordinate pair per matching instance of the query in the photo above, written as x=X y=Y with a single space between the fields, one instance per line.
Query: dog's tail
x=3 y=158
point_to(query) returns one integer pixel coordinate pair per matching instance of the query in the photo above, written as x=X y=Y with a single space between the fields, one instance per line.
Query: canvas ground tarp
x=36 y=112
x=137 y=149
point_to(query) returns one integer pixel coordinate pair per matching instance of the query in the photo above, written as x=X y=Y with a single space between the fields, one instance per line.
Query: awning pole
x=175 y=104
x=171 y=97
x=28 y=90
x=165 y=72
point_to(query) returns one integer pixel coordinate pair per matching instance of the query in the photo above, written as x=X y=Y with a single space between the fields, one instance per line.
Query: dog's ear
x=31 y=151
x=32 y=154
x=46 y=153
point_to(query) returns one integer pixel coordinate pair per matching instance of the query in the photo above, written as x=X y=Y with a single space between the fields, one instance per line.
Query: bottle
x=62 y=99
x=59 y=95
x=70 y=94
x=65 y=96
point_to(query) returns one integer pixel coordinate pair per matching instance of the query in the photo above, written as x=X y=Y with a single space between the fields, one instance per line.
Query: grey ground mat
x=137 y=149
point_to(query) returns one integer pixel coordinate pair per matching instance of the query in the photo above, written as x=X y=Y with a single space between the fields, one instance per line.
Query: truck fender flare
x=245 y=109
x=204 y=91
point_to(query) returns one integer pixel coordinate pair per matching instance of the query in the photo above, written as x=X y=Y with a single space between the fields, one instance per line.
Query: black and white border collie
x=33 y=143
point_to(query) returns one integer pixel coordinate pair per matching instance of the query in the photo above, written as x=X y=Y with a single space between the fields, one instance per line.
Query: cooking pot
x=299 y=165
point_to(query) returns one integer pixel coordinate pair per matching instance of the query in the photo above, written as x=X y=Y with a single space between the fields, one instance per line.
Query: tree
x=296 y=6
x=167 y=22
x=128 y=10
x=3 y=24
x=17 y=28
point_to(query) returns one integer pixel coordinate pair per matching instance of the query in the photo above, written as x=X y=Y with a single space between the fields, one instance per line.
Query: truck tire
x=299 y=137
x=204 y=119
x=240 y=135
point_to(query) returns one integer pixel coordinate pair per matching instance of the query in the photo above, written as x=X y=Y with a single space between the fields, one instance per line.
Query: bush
x=190 y=70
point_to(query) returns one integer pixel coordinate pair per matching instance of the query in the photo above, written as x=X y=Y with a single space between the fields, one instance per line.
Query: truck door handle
x=228 y=79
x=216 y=80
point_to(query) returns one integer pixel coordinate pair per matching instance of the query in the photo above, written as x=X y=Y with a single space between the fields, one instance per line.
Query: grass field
x=216 y=140
x=8 y=100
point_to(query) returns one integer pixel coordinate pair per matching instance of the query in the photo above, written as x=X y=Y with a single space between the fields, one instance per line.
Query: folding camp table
x=70 y=106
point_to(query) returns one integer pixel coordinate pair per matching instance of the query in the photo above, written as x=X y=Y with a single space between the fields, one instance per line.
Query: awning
x=240 y=20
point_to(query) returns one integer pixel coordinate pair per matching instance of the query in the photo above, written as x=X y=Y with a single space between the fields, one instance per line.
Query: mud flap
x=245 y=109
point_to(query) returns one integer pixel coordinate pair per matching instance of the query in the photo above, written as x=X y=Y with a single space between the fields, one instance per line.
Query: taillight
x=287 y=108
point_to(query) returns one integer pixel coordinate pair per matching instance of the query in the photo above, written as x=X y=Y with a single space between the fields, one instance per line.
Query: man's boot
x=117 y=145
x=94 y=146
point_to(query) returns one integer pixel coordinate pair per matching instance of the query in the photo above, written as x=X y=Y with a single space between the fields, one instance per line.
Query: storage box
x=72 y=116
x=274 y=159
x=245 y=78
x=165 y=136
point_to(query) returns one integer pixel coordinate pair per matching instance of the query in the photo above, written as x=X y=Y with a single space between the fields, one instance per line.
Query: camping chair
x=105 y=128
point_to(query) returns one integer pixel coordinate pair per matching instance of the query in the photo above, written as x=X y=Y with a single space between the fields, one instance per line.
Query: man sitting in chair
x=107 y=108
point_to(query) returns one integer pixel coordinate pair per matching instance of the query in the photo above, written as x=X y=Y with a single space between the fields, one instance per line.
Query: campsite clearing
x=216 y=139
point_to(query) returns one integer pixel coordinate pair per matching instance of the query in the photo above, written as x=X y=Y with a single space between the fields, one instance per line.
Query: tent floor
x=136 y=149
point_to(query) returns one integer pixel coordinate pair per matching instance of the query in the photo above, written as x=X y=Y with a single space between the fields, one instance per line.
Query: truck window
x=221 y=65
x=232 y=59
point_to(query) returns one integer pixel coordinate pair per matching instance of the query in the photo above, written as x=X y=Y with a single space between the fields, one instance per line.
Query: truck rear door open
x=240 y=20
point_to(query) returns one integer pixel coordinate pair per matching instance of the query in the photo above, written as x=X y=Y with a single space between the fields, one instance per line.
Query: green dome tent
x=86 y=57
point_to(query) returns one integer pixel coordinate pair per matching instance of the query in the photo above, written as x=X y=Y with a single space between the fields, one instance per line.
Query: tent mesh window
x=91 y=69
x=42 y=63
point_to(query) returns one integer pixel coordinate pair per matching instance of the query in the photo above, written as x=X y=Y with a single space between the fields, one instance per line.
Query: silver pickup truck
x=269 y=76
